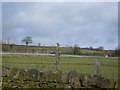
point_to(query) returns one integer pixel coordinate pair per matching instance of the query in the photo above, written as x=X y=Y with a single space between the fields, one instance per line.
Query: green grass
x=63 y=50
x=109 y=67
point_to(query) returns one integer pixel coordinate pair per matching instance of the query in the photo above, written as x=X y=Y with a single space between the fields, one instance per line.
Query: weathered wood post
x=97 y=67
x=57 y=57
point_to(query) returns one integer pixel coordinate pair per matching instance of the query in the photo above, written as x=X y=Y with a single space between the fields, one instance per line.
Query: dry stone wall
x=32 y=78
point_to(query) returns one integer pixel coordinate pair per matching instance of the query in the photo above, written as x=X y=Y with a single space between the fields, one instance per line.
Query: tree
x=101 y=48
x=117 y=52
x=90 y=47
x=27 y=40
x=76 y=50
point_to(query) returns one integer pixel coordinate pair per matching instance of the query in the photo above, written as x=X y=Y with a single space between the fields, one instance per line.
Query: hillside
x=52 y=49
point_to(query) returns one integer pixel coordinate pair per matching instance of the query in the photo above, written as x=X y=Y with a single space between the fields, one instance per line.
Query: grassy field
x=109 y=67
x=52 y=50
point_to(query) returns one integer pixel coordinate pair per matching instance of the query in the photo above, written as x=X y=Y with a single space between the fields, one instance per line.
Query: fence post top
x=58 y=44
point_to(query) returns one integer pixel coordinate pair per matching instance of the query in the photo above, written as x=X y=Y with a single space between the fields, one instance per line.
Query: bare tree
x=27 y=40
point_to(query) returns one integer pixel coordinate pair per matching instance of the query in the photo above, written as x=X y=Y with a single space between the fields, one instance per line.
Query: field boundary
x=62 y=55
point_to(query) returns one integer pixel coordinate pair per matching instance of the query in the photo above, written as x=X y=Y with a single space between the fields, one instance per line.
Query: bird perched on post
x=58 y=44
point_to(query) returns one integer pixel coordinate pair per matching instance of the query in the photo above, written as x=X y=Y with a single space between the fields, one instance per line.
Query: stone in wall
x=117 y=84
x=32 y=74
x=65 y=77
x=84 y=80
x=67 y=86
x=74 y=77
x=13 y=72
x=111 y=84
x=41 y=76
x=9 y=71
x=105 y=83
x=95 y=80
x=98 y=81
x=48 y=75
x=57 y=76
x=20 y=74
x=5 y=71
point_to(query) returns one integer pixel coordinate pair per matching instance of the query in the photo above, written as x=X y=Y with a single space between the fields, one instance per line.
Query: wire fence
x=108 y=67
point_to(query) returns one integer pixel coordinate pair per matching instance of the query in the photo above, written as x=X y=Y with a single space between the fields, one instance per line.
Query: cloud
x=87 y=24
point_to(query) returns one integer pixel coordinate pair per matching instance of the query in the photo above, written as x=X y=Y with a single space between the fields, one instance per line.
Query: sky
x=68 y=23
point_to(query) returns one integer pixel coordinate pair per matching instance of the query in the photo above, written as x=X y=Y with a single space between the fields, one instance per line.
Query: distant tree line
x=75 y=50
x=117 y=53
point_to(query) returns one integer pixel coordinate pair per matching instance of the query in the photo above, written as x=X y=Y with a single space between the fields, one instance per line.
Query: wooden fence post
x=97 y=67
x=57 y=58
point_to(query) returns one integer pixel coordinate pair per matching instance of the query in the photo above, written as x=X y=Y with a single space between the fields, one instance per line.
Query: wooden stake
x=57 y=58
x=97 y=67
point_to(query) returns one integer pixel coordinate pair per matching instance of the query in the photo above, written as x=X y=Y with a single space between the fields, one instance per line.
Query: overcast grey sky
x=86 y=24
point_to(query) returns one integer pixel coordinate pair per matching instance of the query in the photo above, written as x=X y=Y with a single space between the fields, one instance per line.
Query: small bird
x=58 y=44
